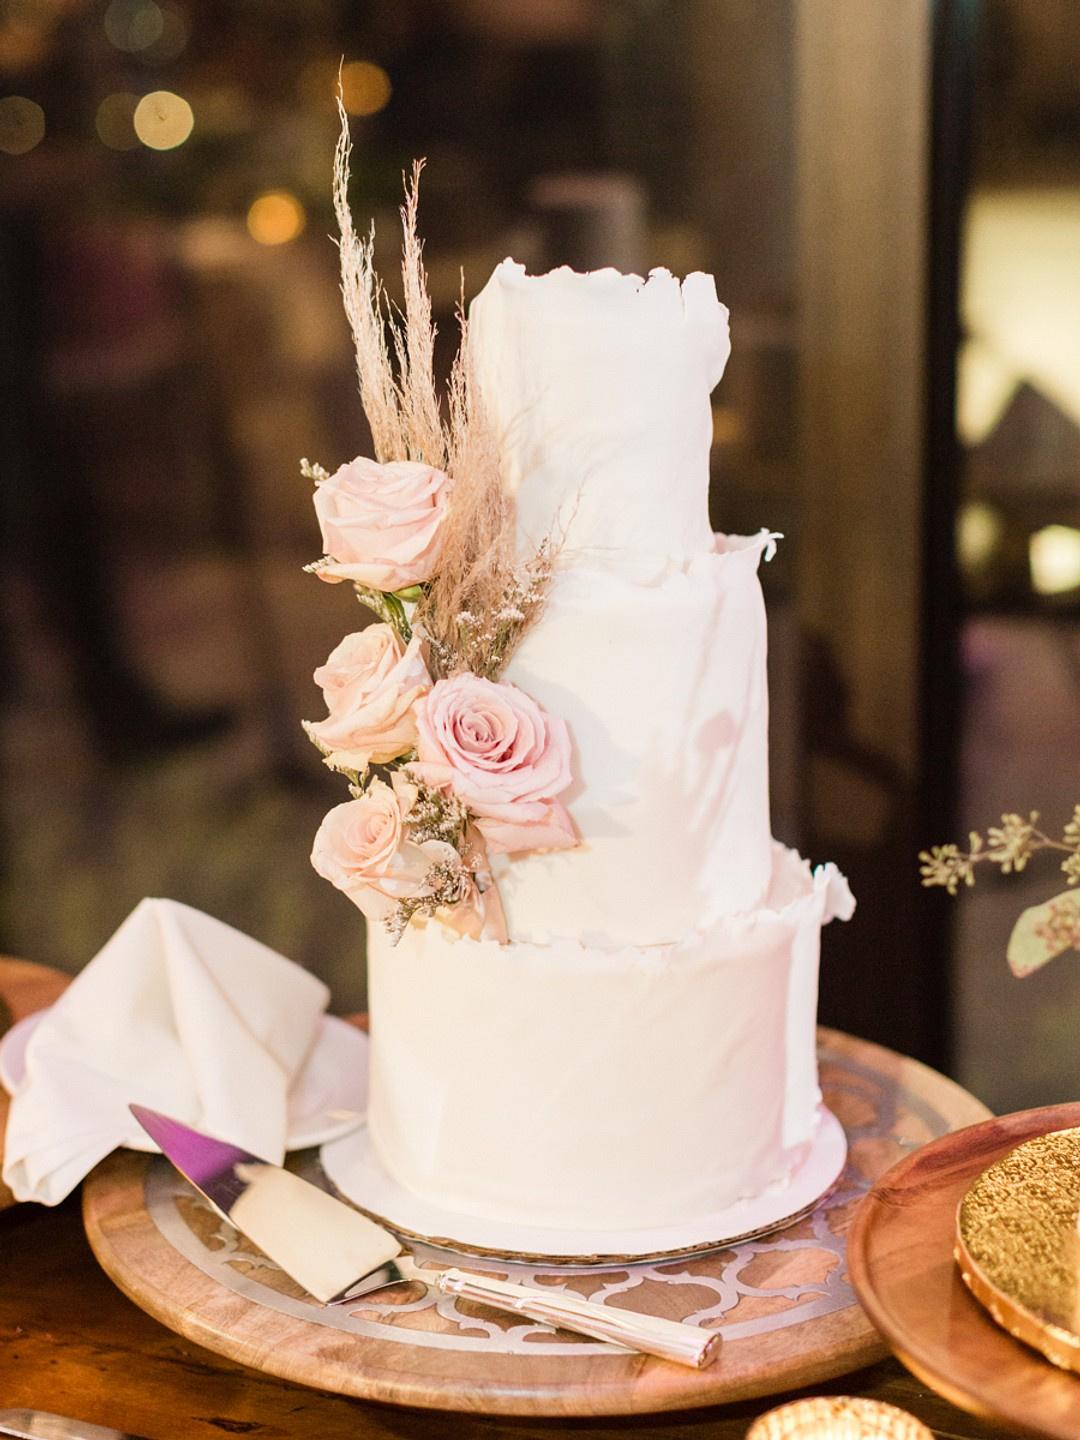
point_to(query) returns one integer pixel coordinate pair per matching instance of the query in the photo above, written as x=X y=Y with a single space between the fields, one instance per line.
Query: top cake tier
x=598 y=386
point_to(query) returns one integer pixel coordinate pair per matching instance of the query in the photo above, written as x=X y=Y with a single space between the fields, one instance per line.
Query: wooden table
x=73 y=1344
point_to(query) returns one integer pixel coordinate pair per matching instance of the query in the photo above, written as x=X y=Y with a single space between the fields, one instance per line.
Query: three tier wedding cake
x=592 y=972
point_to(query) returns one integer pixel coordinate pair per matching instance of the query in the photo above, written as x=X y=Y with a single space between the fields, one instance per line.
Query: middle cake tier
x=663 y=687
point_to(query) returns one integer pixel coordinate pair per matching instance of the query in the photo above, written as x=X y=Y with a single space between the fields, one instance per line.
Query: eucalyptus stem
x=1009 y=845
x=1044 y=842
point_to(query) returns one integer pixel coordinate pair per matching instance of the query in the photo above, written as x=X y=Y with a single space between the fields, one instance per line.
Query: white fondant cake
x=642 y=1052
x=580 y=1086
x=663 y=688
x=599 y=385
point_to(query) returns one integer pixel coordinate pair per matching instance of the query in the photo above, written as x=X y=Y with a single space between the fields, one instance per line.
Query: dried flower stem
x=1010 y=845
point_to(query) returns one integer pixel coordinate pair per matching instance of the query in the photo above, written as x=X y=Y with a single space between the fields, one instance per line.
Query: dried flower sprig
x=1010 y=845
x=437 y=815
x=447 y=883
x=1042 y=931
x=463 y=881
x=313 y=471
x=482 y=639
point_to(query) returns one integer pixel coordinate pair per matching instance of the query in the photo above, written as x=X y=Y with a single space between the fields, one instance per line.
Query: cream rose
x=362 y=848
x=501 y=754
x=382 y=524
x=370 y=683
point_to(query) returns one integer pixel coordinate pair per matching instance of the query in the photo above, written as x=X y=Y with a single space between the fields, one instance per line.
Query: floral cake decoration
x=446 y=763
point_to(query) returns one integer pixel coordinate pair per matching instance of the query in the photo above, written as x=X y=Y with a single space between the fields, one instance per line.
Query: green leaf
x=1043 y=932
x=387 y=607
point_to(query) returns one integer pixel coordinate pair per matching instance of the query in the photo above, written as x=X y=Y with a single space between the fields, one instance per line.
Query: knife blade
x=38 y=1425
x=337 y=1254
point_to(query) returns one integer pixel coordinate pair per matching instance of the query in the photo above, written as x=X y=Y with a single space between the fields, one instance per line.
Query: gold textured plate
x=900 y=1255
x=1017 y=1244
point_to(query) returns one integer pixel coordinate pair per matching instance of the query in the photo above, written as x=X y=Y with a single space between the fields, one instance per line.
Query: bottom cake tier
x=569 y=1086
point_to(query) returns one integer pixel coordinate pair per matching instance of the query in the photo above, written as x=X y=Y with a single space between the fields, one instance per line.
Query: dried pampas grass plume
x=415 y=343
x=362 y=292
x=483 y=598
x=402 y=408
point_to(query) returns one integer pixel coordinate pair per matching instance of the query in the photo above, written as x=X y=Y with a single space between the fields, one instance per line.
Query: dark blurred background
x=889 y=197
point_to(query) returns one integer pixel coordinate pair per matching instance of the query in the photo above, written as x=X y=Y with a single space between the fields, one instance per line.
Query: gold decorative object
x=1018 y=1248
x=838 y=1417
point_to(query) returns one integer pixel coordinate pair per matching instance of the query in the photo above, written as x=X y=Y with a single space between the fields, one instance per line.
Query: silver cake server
x=37 y=1425
x=339 y=1255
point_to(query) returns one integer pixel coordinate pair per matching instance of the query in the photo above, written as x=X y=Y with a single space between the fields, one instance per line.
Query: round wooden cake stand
x=24 y=988
x=783 y=1303
x=902 y=1266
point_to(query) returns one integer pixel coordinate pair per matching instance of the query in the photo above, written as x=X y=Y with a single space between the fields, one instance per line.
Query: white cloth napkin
x=178 y=1012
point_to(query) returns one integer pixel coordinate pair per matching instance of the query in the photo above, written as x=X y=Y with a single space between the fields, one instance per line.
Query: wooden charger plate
x=783 y=1302
x=900 y=1252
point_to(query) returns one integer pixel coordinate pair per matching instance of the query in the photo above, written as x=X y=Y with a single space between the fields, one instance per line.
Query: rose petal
x=382 y=524
x=371 y=684
x=555 y=831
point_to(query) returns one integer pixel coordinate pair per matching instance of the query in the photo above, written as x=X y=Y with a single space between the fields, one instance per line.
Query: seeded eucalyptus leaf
x=1043 y=932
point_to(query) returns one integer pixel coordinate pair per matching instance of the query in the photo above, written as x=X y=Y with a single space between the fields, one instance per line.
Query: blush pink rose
x=370 y=683
x=501 y=754
x=382 y=524
x=362 y=847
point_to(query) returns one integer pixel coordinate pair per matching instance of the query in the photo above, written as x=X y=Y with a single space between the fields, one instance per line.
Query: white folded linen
x=178 y=1012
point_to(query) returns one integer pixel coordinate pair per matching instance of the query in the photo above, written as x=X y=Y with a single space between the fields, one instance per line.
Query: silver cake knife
x=339 y=1255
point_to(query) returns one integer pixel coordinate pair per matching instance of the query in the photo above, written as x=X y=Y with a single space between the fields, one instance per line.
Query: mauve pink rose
x=370 y=683
x=382 y=524
x=507 y=759
x=362 y=847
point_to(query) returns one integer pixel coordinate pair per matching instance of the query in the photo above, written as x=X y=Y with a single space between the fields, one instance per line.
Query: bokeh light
x=275 y=218
x=979 y=533
x=115 y=121
x=133 y=25
x=22 y=124
x=365 y=86
x=22 y=45
x=163 y=120
x=175 y=32
x=1054 y=557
